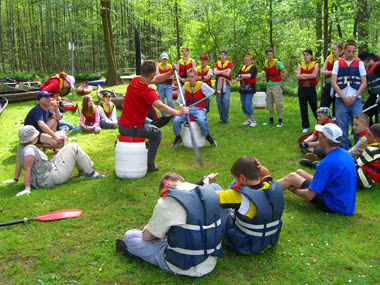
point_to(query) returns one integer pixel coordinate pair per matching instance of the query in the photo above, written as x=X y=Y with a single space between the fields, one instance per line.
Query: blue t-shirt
x=335 y=178
x=37 y=114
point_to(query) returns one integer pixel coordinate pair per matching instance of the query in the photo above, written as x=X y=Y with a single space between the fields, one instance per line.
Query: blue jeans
x=165 y=90
x=107 y=124
x=67 y=124
x=246 y=103
x=224 y=104
x=344 y=116
x=199 y=115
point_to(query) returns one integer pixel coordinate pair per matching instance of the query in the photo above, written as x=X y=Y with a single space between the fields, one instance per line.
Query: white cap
x=332 y=132
x=164 y=55
x=27 y=134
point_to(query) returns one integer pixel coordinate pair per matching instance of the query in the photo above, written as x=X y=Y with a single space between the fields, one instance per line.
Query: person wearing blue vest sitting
x=349 y=81
x=194 y=91
x=252 y=209
x=184 y=235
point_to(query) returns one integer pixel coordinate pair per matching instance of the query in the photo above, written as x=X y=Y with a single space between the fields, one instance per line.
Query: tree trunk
x=325 y=28
x=337 y=22
x=177 y=29
x=271 y=24
x=318 y=29
x=113 y=77
x=138 y=51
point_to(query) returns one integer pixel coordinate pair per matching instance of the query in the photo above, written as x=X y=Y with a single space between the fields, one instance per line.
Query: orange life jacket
x=308 y=69
x=194 y=95
x=184 y=67
x=204 y=72
x=245 y=70
x=89 y=119
x=272 y=72
x=223 y=66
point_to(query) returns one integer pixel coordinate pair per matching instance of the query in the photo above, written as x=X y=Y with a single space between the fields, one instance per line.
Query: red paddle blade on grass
x=58 y=215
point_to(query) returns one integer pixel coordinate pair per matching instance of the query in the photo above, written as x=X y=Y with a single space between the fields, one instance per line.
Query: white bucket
x=186 y=136
x=259 y=100
x=131 y=159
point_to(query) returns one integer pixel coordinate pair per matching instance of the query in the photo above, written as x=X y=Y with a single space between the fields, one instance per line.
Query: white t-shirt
x=348 y=91
x=167 y=213
x=29 y=150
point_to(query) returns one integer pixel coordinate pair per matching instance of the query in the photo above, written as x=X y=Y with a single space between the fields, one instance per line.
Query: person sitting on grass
x=45 y=121
x=252 y=209
x=184 y=234
x=311 y=144
x=89 y=116
x=361 y=123
x=107 y=112
x=368 y=162
x=41 y=172
x=333 y=187
x=194 y=91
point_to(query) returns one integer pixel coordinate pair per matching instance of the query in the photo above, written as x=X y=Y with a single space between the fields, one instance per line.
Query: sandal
x=94 y=175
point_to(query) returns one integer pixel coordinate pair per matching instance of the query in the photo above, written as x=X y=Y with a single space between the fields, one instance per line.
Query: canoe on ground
x=96 y=82
x=3 y=104
x=84 y=89
x=18 y=94
x=116 y=98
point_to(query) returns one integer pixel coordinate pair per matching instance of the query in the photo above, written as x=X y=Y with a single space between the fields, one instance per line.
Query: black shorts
x=319 y=202
x=39 y=138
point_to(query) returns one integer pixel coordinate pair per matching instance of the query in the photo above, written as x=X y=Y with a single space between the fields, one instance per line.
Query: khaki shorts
x=274 y=95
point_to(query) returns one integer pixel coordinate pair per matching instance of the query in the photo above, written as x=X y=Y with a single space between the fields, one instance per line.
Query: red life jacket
x=184 y=67
x=204 y=72
x=48 y=81
x=165 y=69
x=272 y=72
x=223 y=66
x=89 y=120
x=245 y=70
x=194 y=95
x=330 y=63
x=308 y=69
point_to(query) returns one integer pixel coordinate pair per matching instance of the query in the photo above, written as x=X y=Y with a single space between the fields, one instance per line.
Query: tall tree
x=113 y=77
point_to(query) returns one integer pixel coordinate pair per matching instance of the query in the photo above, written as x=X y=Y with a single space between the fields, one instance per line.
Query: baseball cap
x=324 y=111
x=164 y=55
x=27 y=134
x=43 y=94
x=332 y=132
x=204 y=56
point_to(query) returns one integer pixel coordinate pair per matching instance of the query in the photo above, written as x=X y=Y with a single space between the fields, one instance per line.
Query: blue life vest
x=348 y=74
x=372 y=80
x=201 y=236
x=252 y=236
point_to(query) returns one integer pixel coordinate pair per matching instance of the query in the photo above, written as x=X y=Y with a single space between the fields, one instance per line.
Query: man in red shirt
x=138 y=100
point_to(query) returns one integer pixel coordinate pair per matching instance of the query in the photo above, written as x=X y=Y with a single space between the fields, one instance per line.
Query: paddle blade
x=162 y=121
x=58 y=215
x=194 y=143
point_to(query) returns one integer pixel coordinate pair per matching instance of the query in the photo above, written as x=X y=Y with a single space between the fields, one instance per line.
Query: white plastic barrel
x=259 y=100
x=186 y=136
x=131 y=159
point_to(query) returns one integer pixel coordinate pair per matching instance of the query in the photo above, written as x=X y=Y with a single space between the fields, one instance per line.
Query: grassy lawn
x=314 y=247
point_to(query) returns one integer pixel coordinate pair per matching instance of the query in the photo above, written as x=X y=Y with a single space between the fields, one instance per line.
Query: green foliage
x=314 y=247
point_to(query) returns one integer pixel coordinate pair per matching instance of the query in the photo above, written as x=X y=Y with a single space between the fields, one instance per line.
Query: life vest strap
x=257 y=227
x=256 y=234
x=198 y=228
x=195 y=252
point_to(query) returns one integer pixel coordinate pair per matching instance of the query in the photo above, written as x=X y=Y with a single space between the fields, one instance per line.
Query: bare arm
x=28 y=164
x=300 y=76
x=168 y=110
x=324 y=71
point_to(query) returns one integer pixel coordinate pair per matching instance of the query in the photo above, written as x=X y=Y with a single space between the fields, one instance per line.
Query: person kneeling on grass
x=184 y=235
x=333 y=187
x=107 y=112
x=89 y=116
x=39 y=171
x=368 y=162
x=252 y=209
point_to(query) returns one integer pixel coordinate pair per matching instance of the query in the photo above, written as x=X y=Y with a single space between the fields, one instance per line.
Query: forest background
x=34 y=34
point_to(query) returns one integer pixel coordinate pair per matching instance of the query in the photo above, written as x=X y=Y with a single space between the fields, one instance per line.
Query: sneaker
x=122 y=248
x=311 y=156
x=253 y=124
x=177 y=141
x=267 y=123
x=247 y=122
x=211 y=140
x=280 y=125
x=308 y=163
x=152 y=167
x=305 y=130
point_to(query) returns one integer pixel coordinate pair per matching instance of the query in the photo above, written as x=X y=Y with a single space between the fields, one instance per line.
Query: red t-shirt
x=137 y=102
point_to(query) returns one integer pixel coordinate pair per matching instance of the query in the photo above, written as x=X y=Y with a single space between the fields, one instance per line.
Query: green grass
x=314 y=247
